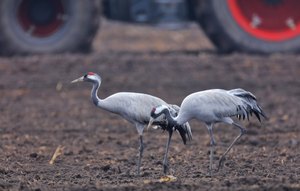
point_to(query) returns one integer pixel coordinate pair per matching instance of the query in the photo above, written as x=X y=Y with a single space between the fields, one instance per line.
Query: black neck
x=171 y=120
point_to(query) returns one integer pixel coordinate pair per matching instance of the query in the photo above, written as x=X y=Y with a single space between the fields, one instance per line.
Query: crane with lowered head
x=213 y=106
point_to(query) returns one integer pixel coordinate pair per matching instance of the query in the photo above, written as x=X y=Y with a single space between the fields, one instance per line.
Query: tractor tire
x=256 y=26
x=47 y=26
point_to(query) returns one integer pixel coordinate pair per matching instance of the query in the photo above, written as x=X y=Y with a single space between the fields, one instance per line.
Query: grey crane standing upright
x=213 y=106
x=135 y=107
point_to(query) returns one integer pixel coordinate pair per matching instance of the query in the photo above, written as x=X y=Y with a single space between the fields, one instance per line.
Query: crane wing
x=250 y=104
x=134 y=107
x=210 y=105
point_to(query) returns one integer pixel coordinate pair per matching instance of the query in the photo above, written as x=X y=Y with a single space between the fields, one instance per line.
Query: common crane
x=135 y=107
x=213 y=106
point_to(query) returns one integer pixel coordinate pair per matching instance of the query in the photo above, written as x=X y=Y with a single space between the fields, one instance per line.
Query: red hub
x=271 y=20
x=41 y=18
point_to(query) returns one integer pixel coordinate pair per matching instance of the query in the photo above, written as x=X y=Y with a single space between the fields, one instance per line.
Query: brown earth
x=40 y=110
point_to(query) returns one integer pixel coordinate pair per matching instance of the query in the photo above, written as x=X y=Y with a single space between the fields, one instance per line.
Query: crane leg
x=141 y=149
x=165 y=161
x=212 y=147
x=243 y=131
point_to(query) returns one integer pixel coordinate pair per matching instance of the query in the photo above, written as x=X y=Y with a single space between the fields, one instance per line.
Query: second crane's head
x=156 y=112
x=89 y=77
x=159 y=110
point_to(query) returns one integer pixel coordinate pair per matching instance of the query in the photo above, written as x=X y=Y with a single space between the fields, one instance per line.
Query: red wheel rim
x=271 y=20
x=28 y=20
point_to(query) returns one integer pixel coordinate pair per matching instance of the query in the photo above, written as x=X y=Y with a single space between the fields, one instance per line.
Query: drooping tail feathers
x=250 y=104
x=185 y=129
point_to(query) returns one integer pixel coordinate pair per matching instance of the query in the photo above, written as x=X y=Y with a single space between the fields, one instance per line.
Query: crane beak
x=77 y=80
x=150 y=122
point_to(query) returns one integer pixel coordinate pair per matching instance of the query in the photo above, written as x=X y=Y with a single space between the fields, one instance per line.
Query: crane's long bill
x=78 y=80
x=150 y=122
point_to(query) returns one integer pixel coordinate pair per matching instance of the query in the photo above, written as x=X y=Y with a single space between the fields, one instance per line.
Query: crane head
x=89 y=77
x=156 y=112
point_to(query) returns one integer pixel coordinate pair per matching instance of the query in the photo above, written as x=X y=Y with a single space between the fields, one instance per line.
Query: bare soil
x=40 y=110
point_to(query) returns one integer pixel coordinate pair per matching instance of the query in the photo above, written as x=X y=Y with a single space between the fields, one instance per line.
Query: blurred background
x=166 y=48
x=55 y=26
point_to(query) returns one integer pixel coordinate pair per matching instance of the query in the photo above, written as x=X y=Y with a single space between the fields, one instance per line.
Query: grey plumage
x=250 y=105
x=135 y=108
x=213 y=106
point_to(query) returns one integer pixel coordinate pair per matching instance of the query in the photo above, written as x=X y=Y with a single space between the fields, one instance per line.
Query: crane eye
x=153 y=110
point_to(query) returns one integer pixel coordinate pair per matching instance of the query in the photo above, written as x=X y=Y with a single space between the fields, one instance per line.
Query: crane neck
x=101 y=103
x=171 y=120
x=94 y=93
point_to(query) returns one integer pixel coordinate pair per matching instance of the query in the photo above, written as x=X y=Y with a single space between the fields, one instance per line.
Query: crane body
x=214 y=106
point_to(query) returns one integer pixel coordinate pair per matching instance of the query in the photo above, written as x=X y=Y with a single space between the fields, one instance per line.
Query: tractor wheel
x=47 y=26
x=255 y=26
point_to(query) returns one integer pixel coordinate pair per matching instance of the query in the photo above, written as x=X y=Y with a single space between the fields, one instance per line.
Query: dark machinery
x=55 y=26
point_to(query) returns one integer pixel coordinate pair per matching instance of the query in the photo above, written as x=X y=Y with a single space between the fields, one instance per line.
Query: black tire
x=227 y=35
x=69 y=26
